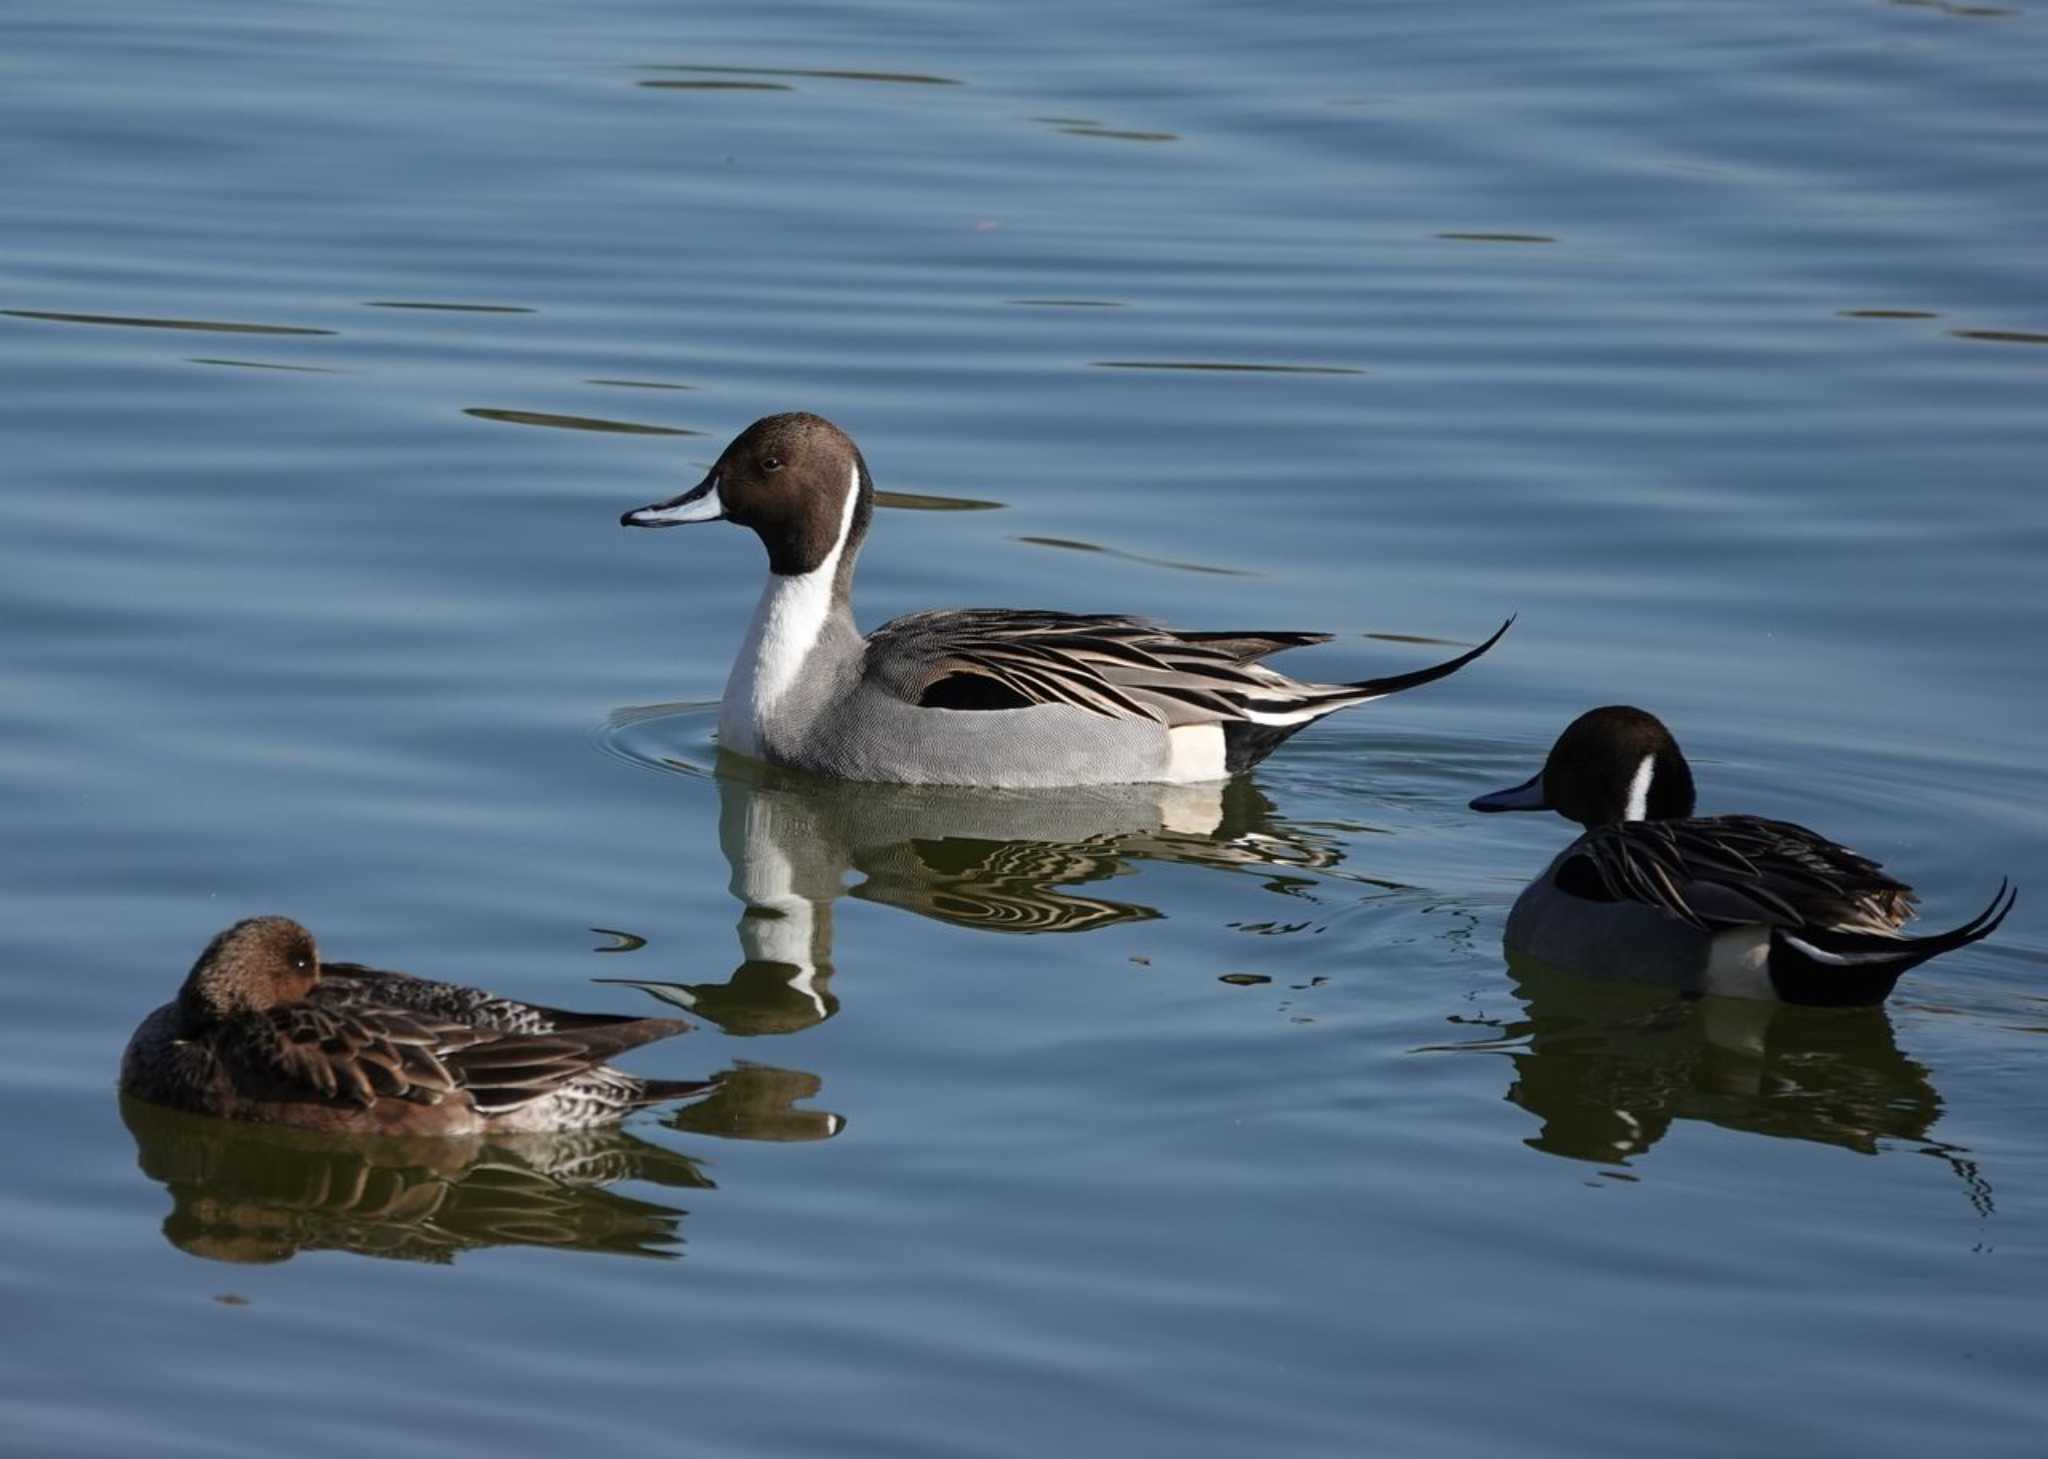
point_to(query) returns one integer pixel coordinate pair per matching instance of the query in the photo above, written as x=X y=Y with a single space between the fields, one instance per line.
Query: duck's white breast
x=787 y=623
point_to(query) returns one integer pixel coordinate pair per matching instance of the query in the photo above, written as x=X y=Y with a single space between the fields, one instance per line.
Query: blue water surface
x=1710 y=339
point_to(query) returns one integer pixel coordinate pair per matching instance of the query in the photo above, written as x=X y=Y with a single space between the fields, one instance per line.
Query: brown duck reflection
x=1000 y=861
x=1609 y=1067
x=261 y=1193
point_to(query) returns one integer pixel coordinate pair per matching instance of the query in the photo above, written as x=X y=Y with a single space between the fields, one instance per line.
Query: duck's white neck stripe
x=787 y=621
x=1639 y=790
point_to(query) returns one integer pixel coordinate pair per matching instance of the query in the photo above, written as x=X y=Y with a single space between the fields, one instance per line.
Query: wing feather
x=354 y=1053
x=347 y=1056
x=1117 y=667
x=1715 y=872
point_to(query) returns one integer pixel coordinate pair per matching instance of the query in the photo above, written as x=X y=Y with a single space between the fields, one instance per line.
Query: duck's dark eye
x=299 y=963
x=771 y=463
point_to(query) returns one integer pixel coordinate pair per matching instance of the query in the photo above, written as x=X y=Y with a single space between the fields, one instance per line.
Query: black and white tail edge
x=1823 y=965
x=1366 y=690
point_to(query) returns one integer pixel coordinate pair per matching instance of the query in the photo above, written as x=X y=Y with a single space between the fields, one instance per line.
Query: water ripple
x=135 y=321
x=448 y=308
x=267 y=365
x=904 y=78
x=2001 y=336
x=1224 y=366
x=1069 y=545
x=919 y=501
x=574 y=422
x=1117 y=135
x=714 y=86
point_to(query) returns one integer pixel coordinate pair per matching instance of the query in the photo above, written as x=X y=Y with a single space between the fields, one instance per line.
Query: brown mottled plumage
x=262 y=1031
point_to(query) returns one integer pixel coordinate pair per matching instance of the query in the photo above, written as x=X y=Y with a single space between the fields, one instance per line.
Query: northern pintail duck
x=262 y=1030
x=981 y=697
x=1737 y=905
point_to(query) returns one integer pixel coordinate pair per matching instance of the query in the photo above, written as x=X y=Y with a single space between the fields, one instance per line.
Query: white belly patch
x=1194 y=752
x=1738 y=964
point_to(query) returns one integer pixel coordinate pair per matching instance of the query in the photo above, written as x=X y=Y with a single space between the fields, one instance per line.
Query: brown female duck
x=262 y=1030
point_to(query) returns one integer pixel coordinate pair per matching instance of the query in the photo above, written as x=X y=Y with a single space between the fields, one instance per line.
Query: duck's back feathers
x=1715 y=872
x=304 y=1051
x=1122 y=668
x=352 y=984
x=1119 y=667
x=345 y=1050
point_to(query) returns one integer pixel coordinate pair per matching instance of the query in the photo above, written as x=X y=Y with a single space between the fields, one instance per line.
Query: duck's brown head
x=257 y=964
x=796 y=479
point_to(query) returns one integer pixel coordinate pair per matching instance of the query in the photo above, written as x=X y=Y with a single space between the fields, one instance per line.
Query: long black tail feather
x=1838 y=968
x=1246 y=742
x=1395 y=683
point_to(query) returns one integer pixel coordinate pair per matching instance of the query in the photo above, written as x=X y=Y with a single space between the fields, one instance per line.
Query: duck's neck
x=800 y=617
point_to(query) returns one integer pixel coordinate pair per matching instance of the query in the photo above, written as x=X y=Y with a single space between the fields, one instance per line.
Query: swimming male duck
x=262 y=1030
x=1737 y=905
x=980 y=697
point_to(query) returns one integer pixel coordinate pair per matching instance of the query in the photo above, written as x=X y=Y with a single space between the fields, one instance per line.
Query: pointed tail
x=1368 y=689
x=1836 y=968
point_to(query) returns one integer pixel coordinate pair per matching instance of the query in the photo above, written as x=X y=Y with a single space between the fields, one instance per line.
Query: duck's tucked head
x=797 y=480
x=256 y=964
x=1611 y=764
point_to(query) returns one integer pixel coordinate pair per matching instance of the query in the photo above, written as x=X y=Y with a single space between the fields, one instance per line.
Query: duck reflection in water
x=999 y=861
x=264 y=1193
x=758 y=1102
x=1609 y=1067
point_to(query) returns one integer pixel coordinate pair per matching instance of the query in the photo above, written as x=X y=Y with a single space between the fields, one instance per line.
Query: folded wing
x=359 y=1054
x=1716 y=872
x=1122 y=668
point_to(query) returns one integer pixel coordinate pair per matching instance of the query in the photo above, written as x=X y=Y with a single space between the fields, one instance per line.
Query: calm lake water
x=1710 y=339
